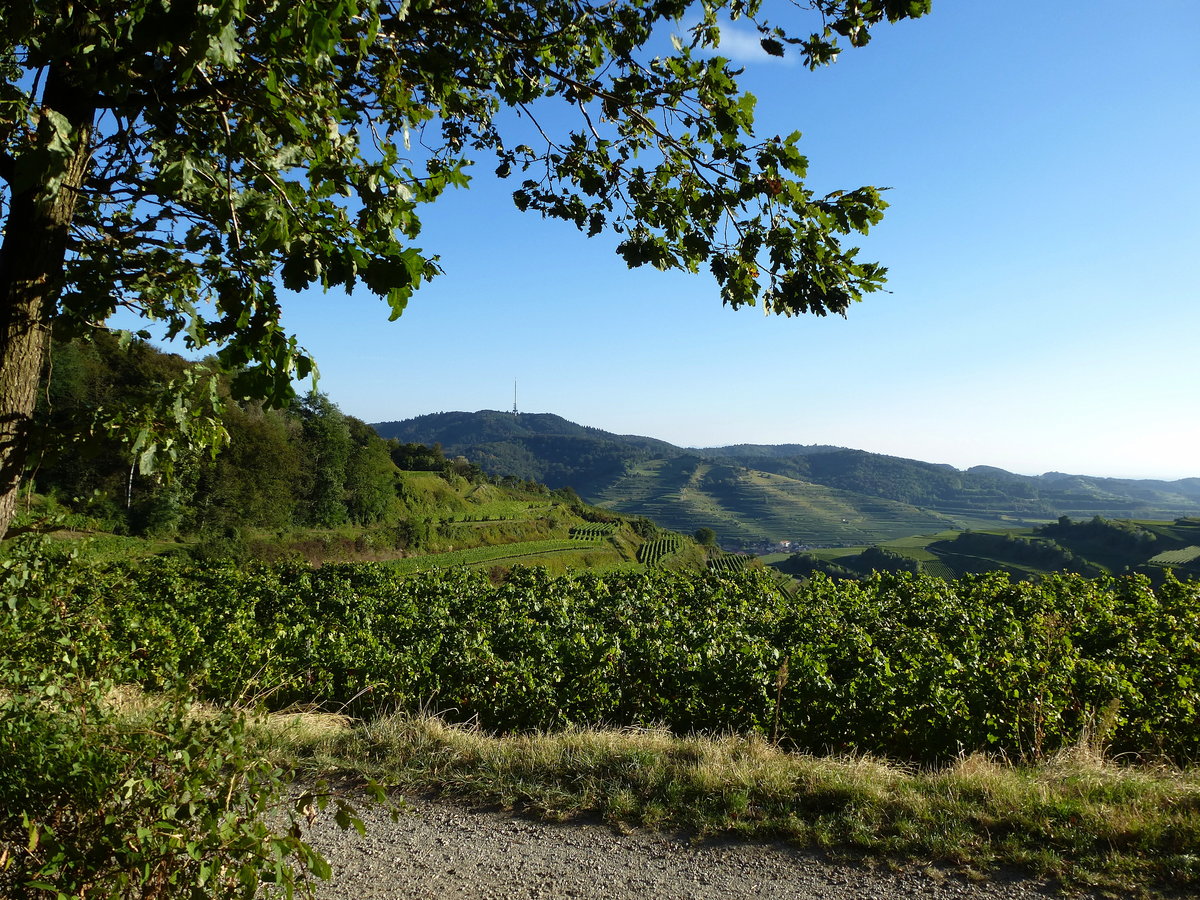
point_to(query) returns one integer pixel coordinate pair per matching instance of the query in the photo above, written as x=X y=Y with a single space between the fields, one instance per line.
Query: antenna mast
x=515 y=413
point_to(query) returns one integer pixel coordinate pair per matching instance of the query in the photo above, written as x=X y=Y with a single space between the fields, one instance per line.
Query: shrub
x=112 y=793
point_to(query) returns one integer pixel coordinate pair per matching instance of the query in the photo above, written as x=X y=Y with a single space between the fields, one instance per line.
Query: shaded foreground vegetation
x=101 y=797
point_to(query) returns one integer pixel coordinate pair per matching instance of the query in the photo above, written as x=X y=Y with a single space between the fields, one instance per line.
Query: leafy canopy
x=241 y=145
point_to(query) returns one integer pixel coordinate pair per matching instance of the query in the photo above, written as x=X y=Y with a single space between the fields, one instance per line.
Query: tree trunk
x=31 y=275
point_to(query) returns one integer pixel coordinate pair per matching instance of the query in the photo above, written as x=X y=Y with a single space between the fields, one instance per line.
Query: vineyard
x=593 y=532
x=1176 y=557
x=476 y=555
x=728 y=563
x=655 y=552
x=937 y=569
x=910 y=667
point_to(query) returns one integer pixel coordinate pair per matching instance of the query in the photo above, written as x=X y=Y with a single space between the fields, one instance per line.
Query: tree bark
x=32 y=259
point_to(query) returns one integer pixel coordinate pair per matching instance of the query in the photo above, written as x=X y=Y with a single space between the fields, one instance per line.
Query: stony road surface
x=443 y=851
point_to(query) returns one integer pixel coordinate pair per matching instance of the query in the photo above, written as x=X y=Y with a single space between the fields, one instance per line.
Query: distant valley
x=758 y=495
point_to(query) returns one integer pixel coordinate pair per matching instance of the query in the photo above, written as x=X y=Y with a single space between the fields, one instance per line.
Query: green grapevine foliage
x=908 y=666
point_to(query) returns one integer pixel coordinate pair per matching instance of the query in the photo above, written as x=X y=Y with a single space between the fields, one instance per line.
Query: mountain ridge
x=754 y=493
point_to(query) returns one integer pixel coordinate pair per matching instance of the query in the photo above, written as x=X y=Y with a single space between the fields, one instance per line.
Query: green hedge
x=912 y=667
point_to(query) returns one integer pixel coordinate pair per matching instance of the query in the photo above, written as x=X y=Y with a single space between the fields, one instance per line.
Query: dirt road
x=443 y=851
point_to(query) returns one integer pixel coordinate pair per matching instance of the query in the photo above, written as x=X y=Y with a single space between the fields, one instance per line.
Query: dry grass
x=305 y=728
x=1077 y=819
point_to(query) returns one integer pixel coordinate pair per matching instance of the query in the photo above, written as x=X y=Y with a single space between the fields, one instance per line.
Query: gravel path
x=445 y=851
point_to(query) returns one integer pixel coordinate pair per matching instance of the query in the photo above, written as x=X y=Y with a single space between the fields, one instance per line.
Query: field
x=936 y=676
x=917 y=546
x=684 y=494
x=1091 y=547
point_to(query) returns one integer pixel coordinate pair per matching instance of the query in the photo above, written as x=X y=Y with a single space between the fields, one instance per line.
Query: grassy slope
x=465 y=524
x=486 y=524
x=760 y=506
x=1177 y=547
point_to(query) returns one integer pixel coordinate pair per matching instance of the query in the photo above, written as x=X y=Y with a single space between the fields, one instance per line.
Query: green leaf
x=320 y=867
x=387 y=273
x=772 y=46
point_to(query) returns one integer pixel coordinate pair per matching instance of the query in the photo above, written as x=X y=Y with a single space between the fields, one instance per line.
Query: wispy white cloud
x=741 y=44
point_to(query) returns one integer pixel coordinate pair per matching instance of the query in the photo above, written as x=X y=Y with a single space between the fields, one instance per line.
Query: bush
x=111 y=793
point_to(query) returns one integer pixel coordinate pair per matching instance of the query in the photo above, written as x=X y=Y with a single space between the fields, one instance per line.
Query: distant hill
x=535 y=446
x=1089 y=547
x=308 y=481
x=770 y=451
x=752 y=493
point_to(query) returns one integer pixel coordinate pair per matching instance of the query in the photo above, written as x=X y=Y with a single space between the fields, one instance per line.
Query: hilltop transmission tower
x=515 y=413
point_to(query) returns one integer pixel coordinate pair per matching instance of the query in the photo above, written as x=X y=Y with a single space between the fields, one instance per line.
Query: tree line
x=307 y=464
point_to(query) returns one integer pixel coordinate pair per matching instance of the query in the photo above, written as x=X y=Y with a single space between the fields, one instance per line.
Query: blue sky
x=1041 y=243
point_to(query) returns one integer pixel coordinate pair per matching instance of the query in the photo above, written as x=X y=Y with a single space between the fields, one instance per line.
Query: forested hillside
x=753 y=494
x=305 y=481
x=308 y=465
x=1091 y=547
x=536 y=446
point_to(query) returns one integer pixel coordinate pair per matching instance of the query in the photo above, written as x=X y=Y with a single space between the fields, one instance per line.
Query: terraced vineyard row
x=656 y=551
x=937 y=569
x=728 y=564
x=593 y=532
x=1176 y=557
x=480 y=554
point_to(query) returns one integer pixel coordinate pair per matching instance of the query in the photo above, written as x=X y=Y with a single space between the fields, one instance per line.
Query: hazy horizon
x=729 y=443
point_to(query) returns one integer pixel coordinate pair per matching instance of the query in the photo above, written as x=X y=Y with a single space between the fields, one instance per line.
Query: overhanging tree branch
x=246 y=149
